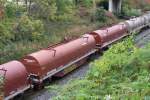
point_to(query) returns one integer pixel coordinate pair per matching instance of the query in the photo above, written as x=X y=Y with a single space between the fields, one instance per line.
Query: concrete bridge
x=115 y=6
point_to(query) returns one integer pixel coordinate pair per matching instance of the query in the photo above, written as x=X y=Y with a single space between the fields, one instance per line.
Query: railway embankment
x=122 y=72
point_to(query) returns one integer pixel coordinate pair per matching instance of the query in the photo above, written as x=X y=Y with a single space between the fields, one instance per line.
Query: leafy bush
x=2 y=2
x=100 y=15
x=1 y=87
x=104 y=18
x=5 y=35
x=86 y=3
x=45 y=9
x=16 y=50
x=147 y=7
x=13 y=10
x=64 y=10
x=128 y=10
x=75 y=90
x=120 y=54
x=10 y=10
x=64 y=6
x=27 y=29
x=56 y=10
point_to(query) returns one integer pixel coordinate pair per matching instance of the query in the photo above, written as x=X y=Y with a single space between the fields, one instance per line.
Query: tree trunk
x=76 y=2
x=94 y=9
x=17 y=2
x=26 y=3
x=29 y=9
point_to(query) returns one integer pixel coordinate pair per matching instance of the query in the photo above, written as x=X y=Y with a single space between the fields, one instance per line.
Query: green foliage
x=16 y=50
x=100 y=15
x=22 y=32
x=120 y=54
x=27 y=29
x=46 y=9
x=82 y=90
x=55 y=10
x=10 y=10
x=64 y=10
x=86 y=3
x=13 y=10
x=122 y=73
x=5 y=35
x=64 y=6
x=146 y=7
x=2 y=2
x=104 y=17
x=1 y=86
x=128 y=10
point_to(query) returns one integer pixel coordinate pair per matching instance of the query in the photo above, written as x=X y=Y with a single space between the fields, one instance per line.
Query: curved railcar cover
x=109 y=35
x=44 y=61
x=15 y=77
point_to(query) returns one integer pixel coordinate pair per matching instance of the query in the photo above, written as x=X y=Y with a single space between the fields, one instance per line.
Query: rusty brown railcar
x=47 y=62
x=109 y=35
x=15 y=78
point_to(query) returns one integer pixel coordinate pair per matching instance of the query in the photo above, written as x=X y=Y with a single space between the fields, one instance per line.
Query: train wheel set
x=31 y=71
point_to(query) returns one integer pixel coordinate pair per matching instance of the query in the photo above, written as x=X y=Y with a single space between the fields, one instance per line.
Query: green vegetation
x=28 y=29
x=132 y=8
x=147 y=7
x=35 y=24
x=1 y=87
x=129 y=10
x=122 y=73
x=99 y=15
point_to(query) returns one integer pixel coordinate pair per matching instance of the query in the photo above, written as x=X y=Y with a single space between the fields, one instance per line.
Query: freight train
x=58 y=60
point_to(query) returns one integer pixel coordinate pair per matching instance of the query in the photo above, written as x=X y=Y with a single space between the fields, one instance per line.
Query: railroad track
x=143 y=38
x=140 y=40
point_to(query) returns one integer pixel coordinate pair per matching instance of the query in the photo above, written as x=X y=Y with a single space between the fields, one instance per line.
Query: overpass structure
x=115 y=6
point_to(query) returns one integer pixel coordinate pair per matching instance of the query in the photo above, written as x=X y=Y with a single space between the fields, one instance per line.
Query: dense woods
x=29 y=25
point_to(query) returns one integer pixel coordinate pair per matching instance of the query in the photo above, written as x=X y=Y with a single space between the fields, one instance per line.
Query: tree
x=64 y=6
x=76 y=2
x=54 y=9
x=2 y=3
x=1 y=87
x=28 y=29
x=45 y=8
x=94 y=9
